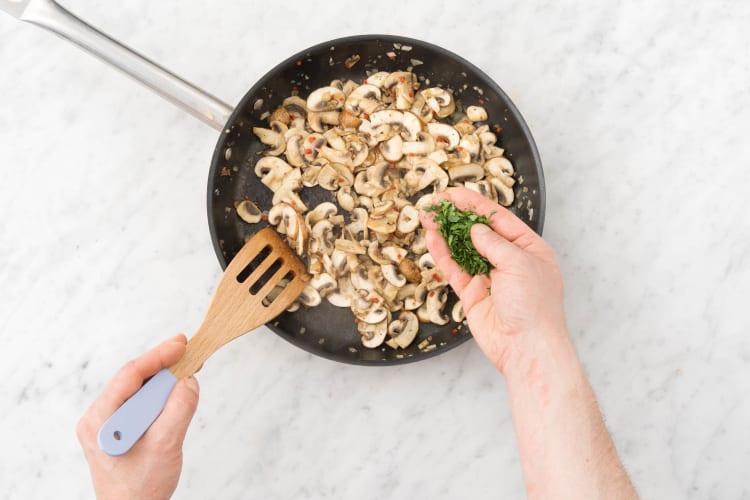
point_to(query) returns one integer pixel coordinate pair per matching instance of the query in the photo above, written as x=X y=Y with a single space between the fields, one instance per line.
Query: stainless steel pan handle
x=50 y=15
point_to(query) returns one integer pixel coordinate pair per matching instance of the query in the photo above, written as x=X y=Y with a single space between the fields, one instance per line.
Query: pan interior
x=326 y=330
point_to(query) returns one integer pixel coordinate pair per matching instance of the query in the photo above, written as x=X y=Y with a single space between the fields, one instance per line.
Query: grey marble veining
x=639 y=111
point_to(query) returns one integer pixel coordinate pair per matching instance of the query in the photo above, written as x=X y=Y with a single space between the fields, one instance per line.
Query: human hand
x=523 y=293
x=151 y=469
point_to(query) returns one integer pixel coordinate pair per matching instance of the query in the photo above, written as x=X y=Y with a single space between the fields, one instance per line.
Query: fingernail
x=481 y=229
x=192 y=384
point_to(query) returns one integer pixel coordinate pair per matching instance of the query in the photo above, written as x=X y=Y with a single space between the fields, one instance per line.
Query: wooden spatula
x=263 y=263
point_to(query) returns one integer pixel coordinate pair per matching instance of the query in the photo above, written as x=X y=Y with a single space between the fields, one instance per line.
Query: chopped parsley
x=455 y=226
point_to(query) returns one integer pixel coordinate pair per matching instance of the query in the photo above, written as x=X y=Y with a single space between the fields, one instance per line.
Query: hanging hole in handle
x=117 y=435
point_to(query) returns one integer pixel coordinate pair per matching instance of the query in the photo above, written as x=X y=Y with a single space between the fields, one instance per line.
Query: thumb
x=492 y=246
x=174 y=420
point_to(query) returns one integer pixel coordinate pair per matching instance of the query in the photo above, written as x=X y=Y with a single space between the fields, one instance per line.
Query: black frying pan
x=326 y=330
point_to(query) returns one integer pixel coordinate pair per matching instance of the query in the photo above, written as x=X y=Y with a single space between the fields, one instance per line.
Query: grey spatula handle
x=126 y=426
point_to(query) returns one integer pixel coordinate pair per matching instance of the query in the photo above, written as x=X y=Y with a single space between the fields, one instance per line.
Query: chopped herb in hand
x=455 y=226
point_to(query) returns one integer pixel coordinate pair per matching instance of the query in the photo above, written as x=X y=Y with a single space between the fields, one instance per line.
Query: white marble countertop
x=640 y=113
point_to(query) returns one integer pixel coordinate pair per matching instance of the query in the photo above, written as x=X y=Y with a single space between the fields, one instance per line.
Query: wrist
x=546 y=350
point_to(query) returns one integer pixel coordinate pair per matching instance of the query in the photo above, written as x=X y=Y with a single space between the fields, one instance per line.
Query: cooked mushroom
x=444 y=134
x=325 y=99
x=408 y=220
x=346 y=199
x=499 y=167
x=349 y=246
x=404 y=329
x=273 y=137
x=319 y=119
x=423 y=144
x=272 y=171
x=309 y=297
x=295 y=106
x=322 y=211
x=476 y=113
x=373 y=251
x=400 y=83
x=347 y=119
x=368 y=306
x=383 y=225
x=410 y=270
x=322 y=237
x=391 y=274
x=283 y=216
x=395 y=253
x=440 y=100
x=280 y=115
x=471 y=172
x=435 y=302
x=457 y=313
x=372 y=335
x=411 y=126
x=419 y=245
x=482 y=187
x=358 y=226
x=363 y=99
x=392 y=149
x=417 y=299
x=505 y=195
x=248 y=211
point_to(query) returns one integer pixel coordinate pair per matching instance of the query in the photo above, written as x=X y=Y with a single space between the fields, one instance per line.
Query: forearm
x=565 y=448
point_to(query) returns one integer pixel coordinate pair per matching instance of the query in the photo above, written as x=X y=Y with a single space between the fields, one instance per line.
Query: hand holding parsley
x=521 y=290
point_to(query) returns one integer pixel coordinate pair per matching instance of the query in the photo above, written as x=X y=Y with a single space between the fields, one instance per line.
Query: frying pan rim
x=218 y=156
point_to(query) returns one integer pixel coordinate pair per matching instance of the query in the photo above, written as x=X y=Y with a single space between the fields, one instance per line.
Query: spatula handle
x=126 y=426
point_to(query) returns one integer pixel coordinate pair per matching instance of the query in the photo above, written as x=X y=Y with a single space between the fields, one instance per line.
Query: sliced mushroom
x=273 y=137
x=482 y=187
x=476 y=113
x=400 y=84
x=404 y=329
x=342 y=296
x=358 y=226
x=468 y=148
x=505 y=195
x=322 y=211
x=435 y=302
x=350 y=247
x=423 y=144
x=464 y=127
x=444 y=134
x=394 y=253
x=381 y=208
x=392 y=149
x=440 y=100
x=373 y=251
x=296 y=107
x=272 y=171
x=377 y=79
x=410 y=270
x=347 y=119
x=322 y=237
x=439 y=156
x=471 y=172
x=417 y=299
x=325 y=99
x=383 y=225
x=372 y=335
x=295 y=151
x=368 y=307
x=319 y=119
x=457 y=313
x=363 y=99
x=284 y=217
x=333 y=136
x=391 y=274
x=346 y=198
x=309 y=297
x=408 y=220
x=419 y=245
x=248 y=211
x=422 y=109
x=426 y=261
x=499 y=167
x=280 y=115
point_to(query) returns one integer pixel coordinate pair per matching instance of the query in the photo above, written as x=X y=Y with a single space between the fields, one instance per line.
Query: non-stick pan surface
x=326 y=330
